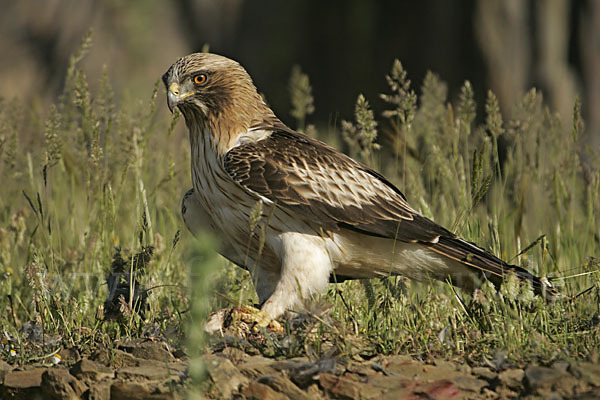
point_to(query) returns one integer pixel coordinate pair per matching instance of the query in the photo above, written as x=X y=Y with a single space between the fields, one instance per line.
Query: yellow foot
x=259 y=318
x=245 y=318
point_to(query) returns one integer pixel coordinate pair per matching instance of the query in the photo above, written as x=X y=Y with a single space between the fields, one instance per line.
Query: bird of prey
x=295 y=211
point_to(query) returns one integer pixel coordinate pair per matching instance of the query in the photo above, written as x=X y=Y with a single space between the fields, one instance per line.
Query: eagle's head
x=214 y=94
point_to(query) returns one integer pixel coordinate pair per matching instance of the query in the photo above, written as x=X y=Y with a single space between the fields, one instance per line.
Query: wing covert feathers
x=325 y=186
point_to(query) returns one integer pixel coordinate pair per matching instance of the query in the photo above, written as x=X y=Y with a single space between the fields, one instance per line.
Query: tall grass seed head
x=510 y=287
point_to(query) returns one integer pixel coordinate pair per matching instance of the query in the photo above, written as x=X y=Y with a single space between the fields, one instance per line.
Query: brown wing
x=323 y=185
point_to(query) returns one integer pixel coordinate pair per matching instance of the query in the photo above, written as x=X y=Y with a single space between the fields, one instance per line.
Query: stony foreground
x=397 y=377
x=149 y=370
x=145 y=370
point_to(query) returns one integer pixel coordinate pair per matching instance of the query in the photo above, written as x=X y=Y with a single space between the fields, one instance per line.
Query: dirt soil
x=151 y=370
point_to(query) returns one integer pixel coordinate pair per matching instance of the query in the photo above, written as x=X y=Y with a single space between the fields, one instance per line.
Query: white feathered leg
x=304 y=273
x=265 y=282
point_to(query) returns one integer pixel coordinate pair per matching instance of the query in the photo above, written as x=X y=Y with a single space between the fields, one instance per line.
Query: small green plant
x=360 y=137
x=75 y=187
x=302 y=99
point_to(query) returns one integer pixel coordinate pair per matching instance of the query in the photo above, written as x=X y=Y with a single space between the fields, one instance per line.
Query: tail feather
x=493 y=268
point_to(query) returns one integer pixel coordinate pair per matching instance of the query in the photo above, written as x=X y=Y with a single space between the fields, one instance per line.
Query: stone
x=436 y=373
x=566 y=386
x=561 y=365
x=304 y=373
x=386 y=361
x=99 y=391
x=58 y=383
x=24 y=379
x=143 y=373
x=512 y=377
x=552 y=396
x=343 y=388
x=469 y=383
x=22 y=384
x=177 y=368
x=114 y=358
x=339 y=387
x=180 y=366
x=448 y=365
x=484 y=372
x=314 y=392
x=464 y=368
x=490 y=394
x=542 y=376
x=366 y=370
x=90 y=372
x=234 y=354
x=406 y=368
x=398 y=365
x=504 y=392
x=259 y=391
x=129 y=391
x=5 y=368
x=138 y=391
x=284 y=386
x=589 y=395
x=389 y=382
x=257 y=366
x=441 y=389
x=149 y=350
x=588 y=372
x=226 y=377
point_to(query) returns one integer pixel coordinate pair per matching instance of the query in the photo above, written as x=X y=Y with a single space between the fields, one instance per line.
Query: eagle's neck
x=204 y=139
x=208 y=174
x=222 y=130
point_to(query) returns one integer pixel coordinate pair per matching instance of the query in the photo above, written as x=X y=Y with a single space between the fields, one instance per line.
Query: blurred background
x=346 y=47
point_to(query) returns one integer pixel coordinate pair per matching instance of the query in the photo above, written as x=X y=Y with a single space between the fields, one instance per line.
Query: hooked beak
x=174 y=96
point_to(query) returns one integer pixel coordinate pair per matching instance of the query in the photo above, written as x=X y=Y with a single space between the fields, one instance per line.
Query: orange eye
x=200 y=79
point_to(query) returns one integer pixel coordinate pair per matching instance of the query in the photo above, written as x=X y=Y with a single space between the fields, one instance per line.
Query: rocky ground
x=138 y=370
x=151 y=370
x=236 y=375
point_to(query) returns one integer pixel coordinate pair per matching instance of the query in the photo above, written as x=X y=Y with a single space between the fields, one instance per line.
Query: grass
x=99 y=173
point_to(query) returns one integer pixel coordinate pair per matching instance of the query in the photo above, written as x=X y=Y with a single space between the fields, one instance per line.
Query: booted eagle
x=294 y=211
